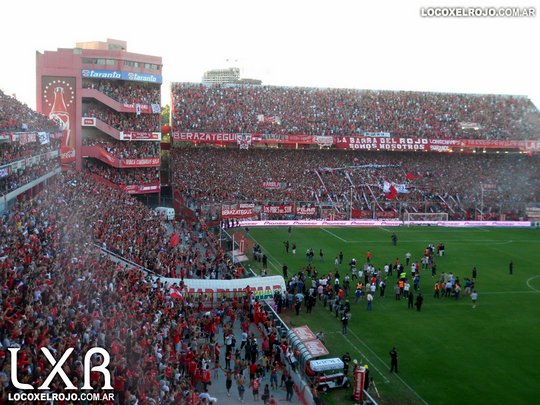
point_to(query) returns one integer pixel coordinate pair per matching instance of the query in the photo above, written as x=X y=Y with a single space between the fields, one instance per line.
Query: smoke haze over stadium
x=376 y=45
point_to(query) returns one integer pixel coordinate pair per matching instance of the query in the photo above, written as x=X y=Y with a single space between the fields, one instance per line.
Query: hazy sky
x=354 y=44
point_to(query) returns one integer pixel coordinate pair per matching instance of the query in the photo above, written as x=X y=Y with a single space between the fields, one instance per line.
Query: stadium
x=328 y=246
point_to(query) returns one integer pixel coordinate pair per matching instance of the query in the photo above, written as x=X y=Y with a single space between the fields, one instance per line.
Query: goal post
x=424 y=217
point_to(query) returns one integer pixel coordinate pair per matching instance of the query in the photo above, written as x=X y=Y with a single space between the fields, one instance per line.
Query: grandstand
x=355 y=184
x=347 y=112
x=426 y=182
x=69 y=293
x=85 y=264
x=29 y=150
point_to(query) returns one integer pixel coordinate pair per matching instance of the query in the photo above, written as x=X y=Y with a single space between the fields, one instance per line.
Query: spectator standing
x=289 y=387
x=474 y=298
x=419 y=301
x=369 y=301
x=393 y=360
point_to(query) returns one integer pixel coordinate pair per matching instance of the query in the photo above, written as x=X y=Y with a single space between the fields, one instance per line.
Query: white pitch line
x=334 y=235
x=382 y=228
x=483 y=230
x=382 y=362
x=364 y=357
x=530 y=286
x=269 y=254
x=386 y=380
x=511 y=292
x=411 y=389
x=448 y=242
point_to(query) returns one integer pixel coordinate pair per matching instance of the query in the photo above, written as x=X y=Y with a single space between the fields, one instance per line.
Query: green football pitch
x=449 y=353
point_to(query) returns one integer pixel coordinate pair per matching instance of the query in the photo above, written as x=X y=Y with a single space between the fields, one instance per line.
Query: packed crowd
x=126 y=92
x=60 y=291
x=444 y=182
x=20 y=177
x=318 y=111
x=138 y=176
x=353 y=281
x=125 y=150
x=124 y=121
x=16 y=116
x=12 y=151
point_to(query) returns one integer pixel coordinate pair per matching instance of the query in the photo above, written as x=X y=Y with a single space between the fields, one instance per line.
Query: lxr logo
x=57 y=369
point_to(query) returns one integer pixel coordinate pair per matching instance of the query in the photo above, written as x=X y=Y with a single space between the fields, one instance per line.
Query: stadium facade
x=107 y=102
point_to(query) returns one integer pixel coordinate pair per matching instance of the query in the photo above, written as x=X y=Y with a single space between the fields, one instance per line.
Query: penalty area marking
x=334 y=235
x=269 y=254
x=386 y=380
x=382 y=362
x=529 y=283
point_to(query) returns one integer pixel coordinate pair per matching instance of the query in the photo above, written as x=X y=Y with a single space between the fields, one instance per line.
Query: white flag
x=43 y=138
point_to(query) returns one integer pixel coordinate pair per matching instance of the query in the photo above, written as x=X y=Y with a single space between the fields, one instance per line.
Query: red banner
x=101 y=154
x=204 y=137
x=140 y=136
x=361 y=142
x=278 y=209
x=380 y=143
x=361 y=214
x=386 y=214
x=140 y=188
x=306 y=211
x=238 y=210
x=368 y=214
x=147 y=162
x=299 y=138
x=229 y=213
x=272 y=185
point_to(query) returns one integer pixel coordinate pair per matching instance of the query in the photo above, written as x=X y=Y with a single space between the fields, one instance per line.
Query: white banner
x=88 y=121
x=262 y=287
x=243 y=140
x=400 y=188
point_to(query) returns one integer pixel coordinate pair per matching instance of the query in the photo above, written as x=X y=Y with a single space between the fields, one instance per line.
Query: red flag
x=175 y=240
x=392 y=194
x=176 y=293
x=410 y=176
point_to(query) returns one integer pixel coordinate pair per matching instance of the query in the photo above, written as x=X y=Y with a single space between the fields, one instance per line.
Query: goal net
x=424 y=217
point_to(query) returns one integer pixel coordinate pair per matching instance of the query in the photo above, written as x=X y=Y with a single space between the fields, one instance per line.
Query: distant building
x=221 y=76
x=109 y=45
x=226 y=76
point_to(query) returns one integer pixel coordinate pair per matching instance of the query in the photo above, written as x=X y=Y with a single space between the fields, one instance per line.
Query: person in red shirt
x=206 y=378
x=255 y=385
